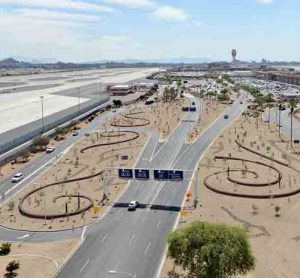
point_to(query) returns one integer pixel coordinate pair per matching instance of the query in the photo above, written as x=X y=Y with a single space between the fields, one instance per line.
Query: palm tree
x=293 y=105
x=179 y=84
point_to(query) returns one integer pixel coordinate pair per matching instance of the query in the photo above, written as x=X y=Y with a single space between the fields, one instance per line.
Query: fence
x=15 y=137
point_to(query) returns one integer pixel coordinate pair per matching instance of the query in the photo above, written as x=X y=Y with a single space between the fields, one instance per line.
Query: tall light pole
x=279 y=119
x=292 y=112
x=78 y=100
x=99 y=87
x=42 y=102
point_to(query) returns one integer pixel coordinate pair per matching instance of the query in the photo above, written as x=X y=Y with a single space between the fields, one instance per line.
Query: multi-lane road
x=131 y=242
x=134 y=242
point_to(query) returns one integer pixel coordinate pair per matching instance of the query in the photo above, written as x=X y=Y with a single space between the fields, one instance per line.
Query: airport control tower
x=233 y=54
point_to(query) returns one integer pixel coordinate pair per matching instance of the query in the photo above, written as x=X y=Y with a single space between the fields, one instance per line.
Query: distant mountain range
x=51 y=64
x=180 y=60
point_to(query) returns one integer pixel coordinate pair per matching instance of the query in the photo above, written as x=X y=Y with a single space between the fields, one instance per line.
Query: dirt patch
x=38 y=260
x=162 y=116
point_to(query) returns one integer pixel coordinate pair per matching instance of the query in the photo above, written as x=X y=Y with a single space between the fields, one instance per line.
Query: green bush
x=5 y=249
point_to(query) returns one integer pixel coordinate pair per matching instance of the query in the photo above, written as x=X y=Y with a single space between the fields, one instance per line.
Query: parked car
x=50 y=149
x=75 y=133
x=133 y=205
x=226 y=116
x=17 y=177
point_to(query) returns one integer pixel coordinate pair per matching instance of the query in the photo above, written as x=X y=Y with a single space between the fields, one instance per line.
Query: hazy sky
x=87 y=30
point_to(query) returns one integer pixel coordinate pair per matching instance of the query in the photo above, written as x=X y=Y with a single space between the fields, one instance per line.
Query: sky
x=93 y=30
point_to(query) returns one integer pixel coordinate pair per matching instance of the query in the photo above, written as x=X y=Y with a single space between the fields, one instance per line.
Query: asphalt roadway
x=34 y=169
x=285 y=122
x=130 y=242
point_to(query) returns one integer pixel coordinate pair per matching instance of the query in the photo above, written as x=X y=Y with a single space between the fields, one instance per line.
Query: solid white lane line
x=24 y=236
x=131 y=239
x=104 y=238
x=83 y=232
x=169 y=136
x=158 y=223
x=85 y=264
x=161 y=185
x=25 y=179
x=147 y=248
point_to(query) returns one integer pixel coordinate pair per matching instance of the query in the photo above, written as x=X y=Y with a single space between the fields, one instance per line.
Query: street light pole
x=99 y=87
x=292 y=112
x=279 y=119
x=78 y=100
x=42 y=100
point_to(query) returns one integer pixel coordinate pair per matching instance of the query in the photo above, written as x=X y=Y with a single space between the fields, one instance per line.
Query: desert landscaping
x=83 y=183
x=38 y=260
x=249 y=178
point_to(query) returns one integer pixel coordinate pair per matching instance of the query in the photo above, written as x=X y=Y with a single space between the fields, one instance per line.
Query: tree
x=74 y=123
x=117 y=102
x=5 y=249
x=60 y=130
x=292 y=105
x=208 y=250
x=24 y=154
x=179 y=84
x=41 y=141
x=11 y=268
x=211 y=94
x=224 y=96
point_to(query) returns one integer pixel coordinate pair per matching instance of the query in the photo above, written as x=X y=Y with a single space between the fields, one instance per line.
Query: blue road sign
x=191 y=109
x=161 y=174
x=125 y=173
x=175 y=175
x=141 y=174
x=168 y=175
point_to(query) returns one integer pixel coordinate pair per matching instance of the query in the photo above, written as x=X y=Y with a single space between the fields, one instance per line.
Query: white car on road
x=17 y=177
x=133 y=205
x=50 y=149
